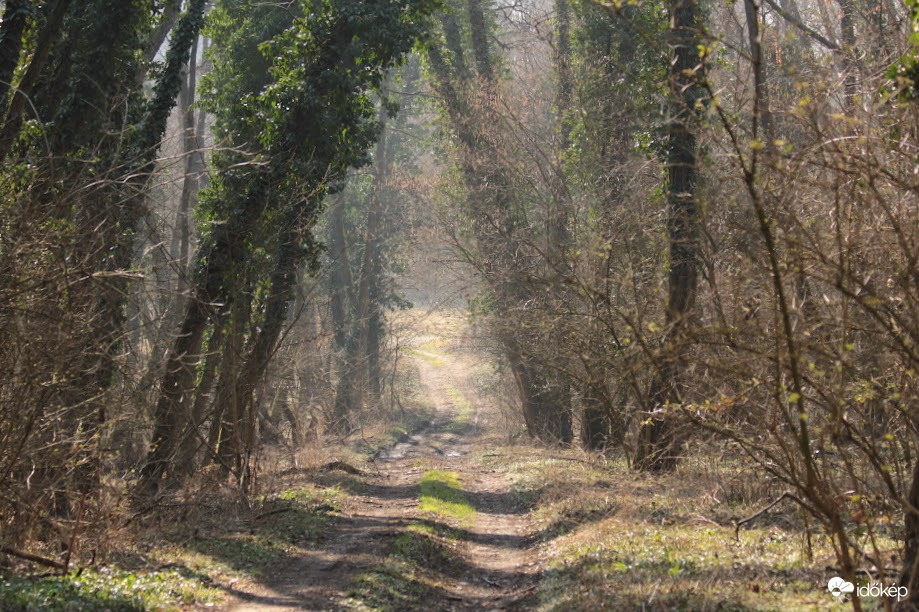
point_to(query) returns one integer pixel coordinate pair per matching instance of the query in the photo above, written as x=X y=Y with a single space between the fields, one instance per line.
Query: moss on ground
x=442 y=495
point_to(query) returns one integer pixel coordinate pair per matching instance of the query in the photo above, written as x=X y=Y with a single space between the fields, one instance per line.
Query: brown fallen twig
x=783 y=496
x=271 y=512
x=328 y=467
x=33 y=558
x=342 y=466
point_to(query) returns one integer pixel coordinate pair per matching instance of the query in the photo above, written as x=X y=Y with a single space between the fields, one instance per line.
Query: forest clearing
x=459 y=304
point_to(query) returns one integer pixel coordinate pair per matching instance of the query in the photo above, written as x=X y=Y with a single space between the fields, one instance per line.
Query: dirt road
x=460 y=542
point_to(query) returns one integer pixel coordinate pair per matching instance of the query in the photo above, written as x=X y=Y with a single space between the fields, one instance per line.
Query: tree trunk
x=761 y=103
x=342 y=305
x=213 y=264
x=187 y=454
x=597 y=428
x=370 y=299
x=283 y=283
x=360 y=369
x=558 y=237
x=660 y=438
x=847 y=27
x=222 y=440
x=167 y=21
x=182 y=235
x=544 y=404
x=47 y=39
x=340 y=277
x=15 y=18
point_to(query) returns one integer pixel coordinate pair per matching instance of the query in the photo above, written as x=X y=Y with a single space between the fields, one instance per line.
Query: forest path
x=432 y=525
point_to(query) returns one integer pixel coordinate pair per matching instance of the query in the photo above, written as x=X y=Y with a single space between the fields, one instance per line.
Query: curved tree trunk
x=545 y=401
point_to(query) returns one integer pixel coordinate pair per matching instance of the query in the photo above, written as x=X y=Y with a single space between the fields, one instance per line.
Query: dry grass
x=611 y=539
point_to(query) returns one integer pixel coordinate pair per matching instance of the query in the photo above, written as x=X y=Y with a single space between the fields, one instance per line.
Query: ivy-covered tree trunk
x=224 y=415
x=293 y=93
x=213 y=269
x=188 y=454
x=660 y=436
x=51 y=19
x=291 y=253
x=102 y=38
x=15 y=18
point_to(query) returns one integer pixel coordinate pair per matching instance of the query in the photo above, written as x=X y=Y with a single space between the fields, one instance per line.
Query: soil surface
x=496 y=568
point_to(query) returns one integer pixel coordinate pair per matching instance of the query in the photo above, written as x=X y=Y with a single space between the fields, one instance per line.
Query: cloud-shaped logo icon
x=838 y=586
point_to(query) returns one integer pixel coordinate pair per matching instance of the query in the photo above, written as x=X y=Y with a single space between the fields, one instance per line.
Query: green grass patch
x=197 y=563
x=462 y=421
x=685 y=567
x=442 y=495
x=429 y=358
x=107 y=589
x=422 y=549
x=463 y=405
x=298 y=515
x=433 y=344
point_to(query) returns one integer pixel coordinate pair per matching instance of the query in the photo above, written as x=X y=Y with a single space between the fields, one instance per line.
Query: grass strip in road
x=442 y=495
x=430 y=358
x=411 y=577
x=465 y=411
x=432 y=345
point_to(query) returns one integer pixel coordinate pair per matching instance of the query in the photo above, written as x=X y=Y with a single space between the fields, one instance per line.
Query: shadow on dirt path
x=489 y=563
